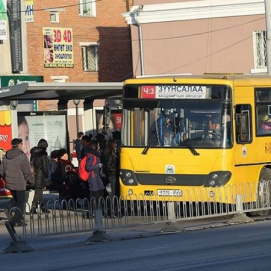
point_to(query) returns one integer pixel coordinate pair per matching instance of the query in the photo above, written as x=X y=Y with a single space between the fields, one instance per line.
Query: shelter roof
x=61 y=91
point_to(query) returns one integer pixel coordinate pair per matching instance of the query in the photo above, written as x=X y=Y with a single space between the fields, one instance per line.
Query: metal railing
x=82 y=215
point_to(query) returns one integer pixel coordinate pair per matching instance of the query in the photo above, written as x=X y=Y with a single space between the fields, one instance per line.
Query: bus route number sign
x=148 y=92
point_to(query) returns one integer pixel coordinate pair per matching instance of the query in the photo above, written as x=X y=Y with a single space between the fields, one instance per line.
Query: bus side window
x=243 y=124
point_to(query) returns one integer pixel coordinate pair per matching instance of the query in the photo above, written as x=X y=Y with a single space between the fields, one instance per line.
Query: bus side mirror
x=243 y=127
x=106 y=117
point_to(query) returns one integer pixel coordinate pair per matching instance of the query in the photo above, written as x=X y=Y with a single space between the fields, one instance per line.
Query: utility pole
x=268 y=34
x=135 y=14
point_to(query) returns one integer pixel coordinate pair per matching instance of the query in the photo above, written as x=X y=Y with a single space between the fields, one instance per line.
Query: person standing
x=16 y=170
x=111 y=156
x=73 y=186
x=86 y=146
x=78 y=146
x=94 y=165
x=55 y=172
x=39 y=160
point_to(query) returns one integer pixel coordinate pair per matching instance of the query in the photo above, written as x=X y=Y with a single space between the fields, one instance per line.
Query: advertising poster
x=58 y=47
x=32 y=128
x=5 y=139
x=3 y=19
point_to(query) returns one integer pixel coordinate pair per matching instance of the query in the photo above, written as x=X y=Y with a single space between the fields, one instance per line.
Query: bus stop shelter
x=63 y=92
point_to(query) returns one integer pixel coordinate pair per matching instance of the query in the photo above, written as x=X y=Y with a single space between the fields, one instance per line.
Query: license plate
x=172 y=192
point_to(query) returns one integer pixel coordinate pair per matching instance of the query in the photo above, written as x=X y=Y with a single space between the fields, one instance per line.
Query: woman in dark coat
x=66 y=167
x=39 y=160
x=112 y=166
x=74 y=188
x=55 y=172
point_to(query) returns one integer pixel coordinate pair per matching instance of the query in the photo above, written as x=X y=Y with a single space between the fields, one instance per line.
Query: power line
x=169 y=38
x=207 y=32
x=211 y=54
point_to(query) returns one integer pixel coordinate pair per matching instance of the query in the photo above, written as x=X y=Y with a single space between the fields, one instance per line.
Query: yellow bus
x=196 y=138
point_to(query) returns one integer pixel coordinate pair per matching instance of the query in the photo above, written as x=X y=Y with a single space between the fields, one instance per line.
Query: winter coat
x=16 y=170
x=66 y=166
x=40 y=162
x=95 y=182
x=56 y=175
x=111 y=163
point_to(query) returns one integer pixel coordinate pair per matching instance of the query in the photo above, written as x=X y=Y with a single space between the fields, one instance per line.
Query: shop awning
x=61 y=91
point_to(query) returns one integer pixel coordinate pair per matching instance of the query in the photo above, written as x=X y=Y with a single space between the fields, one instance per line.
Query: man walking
x=17 y=173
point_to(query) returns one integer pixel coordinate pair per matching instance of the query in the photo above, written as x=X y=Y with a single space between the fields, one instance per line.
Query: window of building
x=87 y=8
x=260 y=52
x=54 y=16
x=90 y=57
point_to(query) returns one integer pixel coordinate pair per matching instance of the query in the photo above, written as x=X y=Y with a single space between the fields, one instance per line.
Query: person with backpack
x=86 y=146
x=93 y=166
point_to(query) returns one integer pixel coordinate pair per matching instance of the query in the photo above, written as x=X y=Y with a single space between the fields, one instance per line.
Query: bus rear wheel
x=264 y=192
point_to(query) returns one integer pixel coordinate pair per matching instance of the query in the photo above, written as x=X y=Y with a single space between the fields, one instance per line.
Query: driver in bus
x=214 y=128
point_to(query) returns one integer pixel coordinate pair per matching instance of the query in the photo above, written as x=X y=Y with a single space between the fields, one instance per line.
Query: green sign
x=6 y=81
x=3 y=10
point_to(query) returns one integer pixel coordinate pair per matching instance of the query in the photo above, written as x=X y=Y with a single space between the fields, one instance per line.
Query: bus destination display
x=173 y=92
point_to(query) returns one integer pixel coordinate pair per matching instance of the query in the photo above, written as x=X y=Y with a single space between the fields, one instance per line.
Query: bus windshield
x=177 y=123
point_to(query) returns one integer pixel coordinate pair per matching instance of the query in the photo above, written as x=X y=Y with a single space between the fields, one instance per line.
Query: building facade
x=198 y=36
x=90 y=41
x=66 y=41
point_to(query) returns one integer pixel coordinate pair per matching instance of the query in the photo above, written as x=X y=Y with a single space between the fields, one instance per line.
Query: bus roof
x=210 y=78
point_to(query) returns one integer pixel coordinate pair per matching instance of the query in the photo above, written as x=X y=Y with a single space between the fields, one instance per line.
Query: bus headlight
x=217 y=178
x=128 y=177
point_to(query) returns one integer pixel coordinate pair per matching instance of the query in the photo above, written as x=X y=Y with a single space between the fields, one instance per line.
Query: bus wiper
x=191 y=148
x=146 y=148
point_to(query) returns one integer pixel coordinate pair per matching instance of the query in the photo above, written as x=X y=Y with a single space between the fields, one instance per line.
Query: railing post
x=239 y=204
x=240 y=217
x=171 y=226
x=16 y=245
x=99 y=235
x=171 y=212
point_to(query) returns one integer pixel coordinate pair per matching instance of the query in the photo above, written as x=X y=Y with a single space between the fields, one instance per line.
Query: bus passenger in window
x=168 y=132
x=265 y=125
x=161 y=132
x=180 y=133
